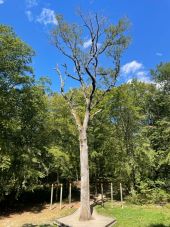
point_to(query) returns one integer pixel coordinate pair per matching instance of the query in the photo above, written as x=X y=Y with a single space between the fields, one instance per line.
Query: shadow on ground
x=45 y=225
x=158 y=225
x=20 y=208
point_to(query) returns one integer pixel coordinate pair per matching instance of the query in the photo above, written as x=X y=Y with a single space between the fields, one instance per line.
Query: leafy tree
x=62 y=138
x=123 y=152
x=22 y=117
x=161 y=75
x=159 y=133
x=15 y=61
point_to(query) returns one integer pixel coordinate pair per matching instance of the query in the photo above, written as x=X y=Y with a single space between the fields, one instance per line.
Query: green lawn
x=137 y=216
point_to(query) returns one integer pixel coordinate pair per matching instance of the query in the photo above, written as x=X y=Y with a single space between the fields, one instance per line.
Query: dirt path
x=36 y=215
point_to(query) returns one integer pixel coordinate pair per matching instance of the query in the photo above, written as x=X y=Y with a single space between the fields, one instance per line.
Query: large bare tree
x=94 y=65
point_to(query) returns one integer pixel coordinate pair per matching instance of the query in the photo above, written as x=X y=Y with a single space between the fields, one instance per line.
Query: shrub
x=154 y=195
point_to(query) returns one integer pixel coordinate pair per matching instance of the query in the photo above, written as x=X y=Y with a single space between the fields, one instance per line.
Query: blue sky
x=150 y=30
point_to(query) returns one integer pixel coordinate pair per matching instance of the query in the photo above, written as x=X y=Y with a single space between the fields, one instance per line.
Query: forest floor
x=38 y=215
x=136 y=215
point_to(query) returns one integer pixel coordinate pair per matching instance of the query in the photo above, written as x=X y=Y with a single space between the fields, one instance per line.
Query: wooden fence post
x=51 y=201
x=70 y=193
x=56 y=194
x=121 y=195
x=61 y=195
x=111 y=194
x=102 y=194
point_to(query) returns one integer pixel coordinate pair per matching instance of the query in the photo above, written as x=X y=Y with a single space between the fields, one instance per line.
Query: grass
x=137 y=216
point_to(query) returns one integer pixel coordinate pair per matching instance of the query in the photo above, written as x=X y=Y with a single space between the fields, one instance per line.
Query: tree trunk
x=85 y=212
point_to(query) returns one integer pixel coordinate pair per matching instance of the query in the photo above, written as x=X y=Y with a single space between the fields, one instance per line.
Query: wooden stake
x=96 y=189
x=121 y=195
x=51 y=202
x=102 y=194
x=70 y=193
x=56 y=195
x=61 y=195
x=111 y=194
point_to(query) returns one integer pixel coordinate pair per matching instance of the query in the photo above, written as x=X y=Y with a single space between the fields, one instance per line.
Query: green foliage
x=61 y=162
x=15 y=59
x=63 y=138
x=149 y=196
x=22 y=117
x=162 y=76
x=123 y=149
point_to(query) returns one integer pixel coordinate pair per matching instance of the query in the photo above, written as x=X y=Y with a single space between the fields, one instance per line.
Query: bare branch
x=63 y=51
x=69 y=75
x=88 y=71
x=100 y=98
x=95 y=113
x=93 y=79
x=72 y=109
x=61 y=81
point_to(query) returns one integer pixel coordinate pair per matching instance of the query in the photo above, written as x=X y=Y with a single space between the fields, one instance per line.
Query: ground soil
x=36 y=215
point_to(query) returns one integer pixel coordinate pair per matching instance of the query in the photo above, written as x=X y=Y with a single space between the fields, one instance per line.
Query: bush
x=154 y=195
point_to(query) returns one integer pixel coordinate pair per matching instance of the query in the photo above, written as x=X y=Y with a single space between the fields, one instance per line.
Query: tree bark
x=85 y=212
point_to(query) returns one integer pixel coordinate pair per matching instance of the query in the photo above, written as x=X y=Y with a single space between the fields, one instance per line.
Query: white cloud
x=135 y=70
x=2 y=2
x=29 y=15
x=142 y=73
x=131 y=67
x=31 y=3
x=87 y=43
x=145 y=79
x=142 y=76
x=47 y=16
x=159 y=54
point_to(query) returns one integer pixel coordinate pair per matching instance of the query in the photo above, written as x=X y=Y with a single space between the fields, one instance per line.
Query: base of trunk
x=85 y=214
